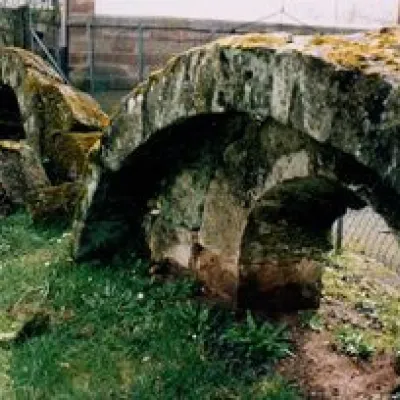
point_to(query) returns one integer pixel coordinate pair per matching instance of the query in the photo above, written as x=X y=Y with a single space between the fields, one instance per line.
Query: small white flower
x=194 y=337
x=146 y=359
x=140 y=296
x=47 y=264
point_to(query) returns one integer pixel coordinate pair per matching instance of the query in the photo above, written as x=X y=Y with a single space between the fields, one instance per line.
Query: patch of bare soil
x=324 y=374
x=364 y=296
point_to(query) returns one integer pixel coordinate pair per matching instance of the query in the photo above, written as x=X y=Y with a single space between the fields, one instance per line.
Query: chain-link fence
x=366 y=232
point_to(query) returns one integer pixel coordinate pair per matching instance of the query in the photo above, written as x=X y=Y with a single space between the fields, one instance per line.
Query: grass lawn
x=117 y=333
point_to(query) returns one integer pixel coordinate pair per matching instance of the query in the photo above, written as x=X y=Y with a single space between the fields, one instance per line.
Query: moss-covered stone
x=59 y=125
x=68 y=154
x=46 y=103
x=20 y=171
x=54 y=203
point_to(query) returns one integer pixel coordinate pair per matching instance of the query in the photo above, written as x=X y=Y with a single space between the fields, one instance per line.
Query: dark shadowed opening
x=289 y=231
x=11 y=126
x=117 y=224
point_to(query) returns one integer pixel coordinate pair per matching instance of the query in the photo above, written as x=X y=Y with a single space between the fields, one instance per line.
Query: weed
x=277 y=388
x=353 y=343
x=397 y=359
x=256 y=343
x=311 y=320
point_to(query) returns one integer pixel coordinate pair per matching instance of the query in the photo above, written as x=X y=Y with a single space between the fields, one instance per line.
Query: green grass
x=116 y=333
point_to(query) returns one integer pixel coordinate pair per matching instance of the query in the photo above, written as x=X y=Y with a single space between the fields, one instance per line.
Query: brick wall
x=81 y=7
x=117 y=46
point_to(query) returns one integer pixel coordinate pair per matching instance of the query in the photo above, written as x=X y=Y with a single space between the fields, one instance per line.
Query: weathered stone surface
x=235 y=159
x=68 y=154
x=47 y=129
x=54 y=203
x=46 y=104
x=20 y=171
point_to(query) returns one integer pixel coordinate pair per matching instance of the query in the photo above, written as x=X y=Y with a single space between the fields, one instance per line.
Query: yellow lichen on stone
x=172 y=63
x=11 y=145
x=361 y=51
x=83 y=107
x=32 y=61
x=253 y=40
x=62 y=105
x=155 y=76
x=70 y=152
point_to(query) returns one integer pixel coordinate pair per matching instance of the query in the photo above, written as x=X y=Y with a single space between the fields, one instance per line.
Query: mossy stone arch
x=259 y=115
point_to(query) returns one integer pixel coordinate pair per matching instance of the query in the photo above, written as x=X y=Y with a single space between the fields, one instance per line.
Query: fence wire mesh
x=366 y=232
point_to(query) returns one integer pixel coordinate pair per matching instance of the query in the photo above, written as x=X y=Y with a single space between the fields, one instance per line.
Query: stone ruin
x=234 y=160
x=46 y=131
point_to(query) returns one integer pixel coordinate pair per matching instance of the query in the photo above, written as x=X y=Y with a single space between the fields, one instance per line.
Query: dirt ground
x=318 y=366
x=324 y=374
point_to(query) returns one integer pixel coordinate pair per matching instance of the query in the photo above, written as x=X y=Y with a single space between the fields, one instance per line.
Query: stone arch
x=50 y=126
x=270 y=113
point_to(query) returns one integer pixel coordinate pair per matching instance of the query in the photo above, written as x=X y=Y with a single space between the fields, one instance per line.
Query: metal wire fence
x=366 y=232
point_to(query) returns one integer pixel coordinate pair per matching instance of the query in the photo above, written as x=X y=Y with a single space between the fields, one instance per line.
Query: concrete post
x=140 y=52
x=89 y=33
x=339 y=236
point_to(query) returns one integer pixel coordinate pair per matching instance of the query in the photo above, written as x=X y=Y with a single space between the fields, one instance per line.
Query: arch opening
x=248 y=206
x=286 y=237
x=11 y=124
x=129 y=197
